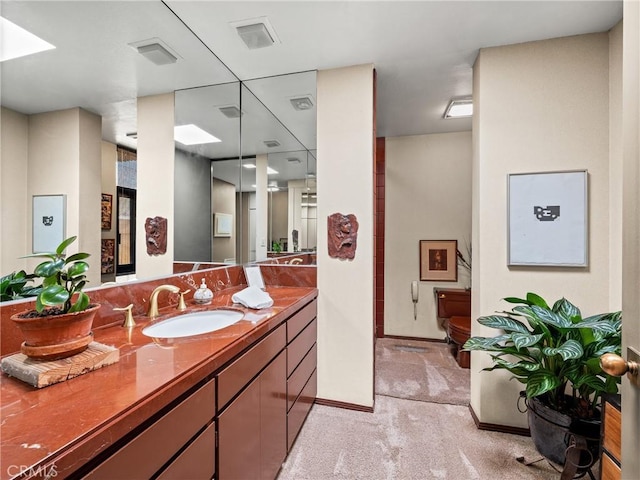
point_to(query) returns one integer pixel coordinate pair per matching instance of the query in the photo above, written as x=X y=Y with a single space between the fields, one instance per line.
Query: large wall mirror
x=97 y=66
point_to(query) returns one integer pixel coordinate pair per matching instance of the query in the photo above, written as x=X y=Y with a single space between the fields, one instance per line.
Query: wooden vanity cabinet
x=611 y=439
x=264 y=397
x=252 y=428
x=181 y=435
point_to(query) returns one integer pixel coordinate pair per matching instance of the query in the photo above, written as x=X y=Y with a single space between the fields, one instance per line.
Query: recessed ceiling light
x=230 y=111
x=272 y=143
x=270 y=171
x=192 y=135
x=16 y=42
x=156 y=51
x=459 y=108
x=270 y=188
x=302 y=103
x=256 y=32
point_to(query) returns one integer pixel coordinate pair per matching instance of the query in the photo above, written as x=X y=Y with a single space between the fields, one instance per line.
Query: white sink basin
x=193 y=324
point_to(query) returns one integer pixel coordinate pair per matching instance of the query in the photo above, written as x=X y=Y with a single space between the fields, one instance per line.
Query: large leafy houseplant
x=554 y=352
x=15 y=285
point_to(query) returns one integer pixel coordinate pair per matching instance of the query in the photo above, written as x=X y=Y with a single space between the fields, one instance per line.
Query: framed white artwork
x=49 y=222
x=548 y=219
x=222 y=224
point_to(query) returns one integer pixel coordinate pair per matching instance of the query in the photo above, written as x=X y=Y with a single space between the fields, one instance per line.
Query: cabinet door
x=273 y=417
x=239 y=436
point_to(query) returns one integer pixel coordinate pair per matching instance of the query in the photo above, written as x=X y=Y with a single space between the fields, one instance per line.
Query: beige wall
x=155 y=157
x=109 y=181
x=278 y=215
x=427 y=197
x=631 y=232
x=345 y=300
x=223 y=200
x=15 y=205
x=540 y=106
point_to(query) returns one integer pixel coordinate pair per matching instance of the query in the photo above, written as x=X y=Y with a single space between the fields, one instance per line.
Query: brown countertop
x=58 y=428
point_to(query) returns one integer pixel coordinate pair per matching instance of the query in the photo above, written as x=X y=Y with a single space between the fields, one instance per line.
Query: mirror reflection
x=103 y=75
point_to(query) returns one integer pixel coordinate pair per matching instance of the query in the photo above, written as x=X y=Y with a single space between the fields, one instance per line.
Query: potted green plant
x=555 y=353
x=60 y=325
x=14 y=286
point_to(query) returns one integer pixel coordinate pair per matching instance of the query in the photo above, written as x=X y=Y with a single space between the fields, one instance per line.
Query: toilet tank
x=452 y=302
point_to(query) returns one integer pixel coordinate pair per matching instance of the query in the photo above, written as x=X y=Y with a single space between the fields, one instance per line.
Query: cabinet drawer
x=233 y=378
x=300 y=376
x=197 y=461
x=300 y=409
x=610 y=471
x=612 y=434
x=143 y=456
x=301 y=319
x=299 y=347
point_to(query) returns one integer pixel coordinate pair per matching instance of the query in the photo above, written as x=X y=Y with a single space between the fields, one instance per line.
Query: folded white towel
x=253 y=297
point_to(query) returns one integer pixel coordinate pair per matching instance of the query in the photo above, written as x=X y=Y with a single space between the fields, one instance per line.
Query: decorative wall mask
x=156 y=230
x=342 y=235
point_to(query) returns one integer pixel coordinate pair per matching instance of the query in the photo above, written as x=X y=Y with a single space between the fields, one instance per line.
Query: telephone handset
x=414 y=298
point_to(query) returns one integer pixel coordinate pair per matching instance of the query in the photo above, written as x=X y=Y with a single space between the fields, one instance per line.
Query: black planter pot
x=553 y=432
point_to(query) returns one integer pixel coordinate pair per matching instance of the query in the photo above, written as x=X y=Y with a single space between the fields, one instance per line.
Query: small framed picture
x=106 y=206
x=222 y=224
x=438 y=260
x=254 y=276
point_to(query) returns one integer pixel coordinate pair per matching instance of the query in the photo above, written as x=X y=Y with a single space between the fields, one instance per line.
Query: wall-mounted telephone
x=414 y=298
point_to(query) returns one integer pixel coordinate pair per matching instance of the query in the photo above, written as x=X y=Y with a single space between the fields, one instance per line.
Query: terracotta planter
x=56 y=336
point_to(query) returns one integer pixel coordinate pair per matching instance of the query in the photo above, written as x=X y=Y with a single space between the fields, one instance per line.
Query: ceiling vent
x=272 y=143
x=133 y=135
x=156 y=51
x=256 y=32
x=230 y=111
x=302 y=103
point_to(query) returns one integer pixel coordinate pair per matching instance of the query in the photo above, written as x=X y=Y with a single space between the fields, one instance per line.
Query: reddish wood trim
x=420 y=339
x=347 y=406
x=492 y=427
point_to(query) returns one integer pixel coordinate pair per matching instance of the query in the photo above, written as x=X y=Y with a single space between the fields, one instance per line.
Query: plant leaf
x=65 y=243
x=507 y=324
x=515 y=300
x=521 y=340
x=549 y=317
x=568 y=350
x=48 y=269
x=541 y=382
x=78 y=256
x=81 y=304
x=566 y=309
x=77 y=268
x=53 y=295
x=489 y=344
x=537 y=300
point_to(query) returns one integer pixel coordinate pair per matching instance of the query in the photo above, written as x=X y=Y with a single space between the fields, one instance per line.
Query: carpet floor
x=417 y=431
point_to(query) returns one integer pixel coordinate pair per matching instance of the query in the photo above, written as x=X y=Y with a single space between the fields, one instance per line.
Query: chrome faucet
x=153 y=300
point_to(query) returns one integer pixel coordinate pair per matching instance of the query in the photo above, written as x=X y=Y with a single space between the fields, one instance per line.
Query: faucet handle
x=181 y=305
x=128 y=317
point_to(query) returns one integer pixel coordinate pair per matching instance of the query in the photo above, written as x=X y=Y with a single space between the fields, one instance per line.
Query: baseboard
x=348 y=406
x=419 y=339
x=492 y=427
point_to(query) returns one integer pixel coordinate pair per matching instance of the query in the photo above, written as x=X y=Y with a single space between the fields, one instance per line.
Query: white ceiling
x=423 y=52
